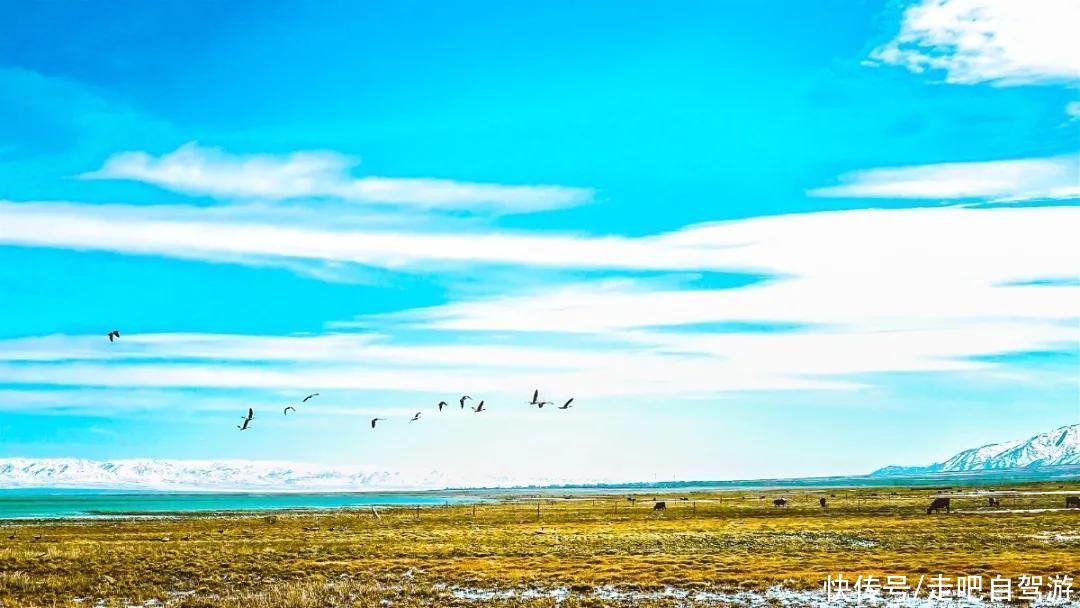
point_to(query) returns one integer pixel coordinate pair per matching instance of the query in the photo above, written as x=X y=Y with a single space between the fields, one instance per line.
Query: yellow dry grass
x=714 y=540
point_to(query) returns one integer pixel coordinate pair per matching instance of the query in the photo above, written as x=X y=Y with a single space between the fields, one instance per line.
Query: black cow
x=660 y=506
x=994 y=502
x=822 y=501
x=1072 y=502
x=779 y=502
x=937 y=505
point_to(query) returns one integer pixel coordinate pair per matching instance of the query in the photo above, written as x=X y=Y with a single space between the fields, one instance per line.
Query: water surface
x=21 y=504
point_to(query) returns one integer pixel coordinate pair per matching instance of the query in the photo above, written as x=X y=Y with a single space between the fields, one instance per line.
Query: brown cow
x=1072 y=502
x=779 y=502
x=660 y=506
x=822 y=502
x=937 y=505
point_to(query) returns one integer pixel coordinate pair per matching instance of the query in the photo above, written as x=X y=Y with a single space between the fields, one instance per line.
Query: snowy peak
x=234 y=475
x=1061 y=446
x=1057 y=447
x=983 y=457
x=204 y=475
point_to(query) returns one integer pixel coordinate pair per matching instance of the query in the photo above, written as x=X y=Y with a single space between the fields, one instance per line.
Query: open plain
x=577 y=549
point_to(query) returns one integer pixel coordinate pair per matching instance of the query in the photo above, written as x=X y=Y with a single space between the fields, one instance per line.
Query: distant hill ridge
x=240 y=475
x=1038 y=456
x=1060 y=446
x=205 y=475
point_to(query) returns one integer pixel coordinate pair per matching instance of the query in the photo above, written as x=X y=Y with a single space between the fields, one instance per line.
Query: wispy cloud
x=1055 y=177
x=1003 y=42
x=784 y=245
x=1073 y=110
x=767 y=245
x=205 y=234
x=213 y=172
x=854 y=293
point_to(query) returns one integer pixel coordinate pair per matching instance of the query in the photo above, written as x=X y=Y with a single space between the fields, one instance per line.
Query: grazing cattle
x=994 y=502
x=822 y=502
x=779 y=502
x=1072 y=502
x=660 y=506
x=937 y=505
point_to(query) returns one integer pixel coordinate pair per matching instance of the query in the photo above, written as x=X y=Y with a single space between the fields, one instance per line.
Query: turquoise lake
x=21 y=504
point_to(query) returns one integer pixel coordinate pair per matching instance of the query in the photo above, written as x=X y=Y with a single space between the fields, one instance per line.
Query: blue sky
x=750 y=238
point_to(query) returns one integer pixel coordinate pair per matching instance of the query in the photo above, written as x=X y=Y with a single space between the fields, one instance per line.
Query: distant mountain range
x=1039 y=454
x=224 y=475
x=1057 y=447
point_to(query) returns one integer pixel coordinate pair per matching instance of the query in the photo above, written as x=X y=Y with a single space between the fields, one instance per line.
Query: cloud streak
x=1056 y=177
x=779 y=245
x=192 y=169
x=204 y=234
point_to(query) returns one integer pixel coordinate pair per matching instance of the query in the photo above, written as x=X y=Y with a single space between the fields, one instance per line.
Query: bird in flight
x=289 y=408
x=479 y=408
x=566 y=405
x=374 y=420
x=442 y=404
x=462 y=400
x=416 y=417
x=114 y=335
x=536 y=399
x=309 y=397
x=247 y=420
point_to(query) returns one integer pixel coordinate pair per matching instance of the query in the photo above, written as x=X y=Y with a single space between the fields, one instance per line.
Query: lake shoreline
x=95 y=504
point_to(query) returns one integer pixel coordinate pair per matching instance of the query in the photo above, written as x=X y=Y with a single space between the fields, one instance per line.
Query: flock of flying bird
x=115 y=335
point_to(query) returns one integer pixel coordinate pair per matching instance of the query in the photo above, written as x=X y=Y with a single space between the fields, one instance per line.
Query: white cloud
x=209 y=171
x=869 y=291
x=1056 y=177
x=776 y=244
x=1073 y=110
x=1003 y=42
x=195 y=233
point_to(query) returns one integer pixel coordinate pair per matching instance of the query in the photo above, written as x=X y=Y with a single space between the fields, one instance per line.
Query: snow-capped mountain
x=1057 y=447
x=227 y=475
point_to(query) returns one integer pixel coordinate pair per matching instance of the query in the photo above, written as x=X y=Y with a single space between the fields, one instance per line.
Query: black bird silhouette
x=536 y=399
x=442 y=404
x=113 y=335
x=309 y=397
x=247 y=420
x=566 y=405
x=416 y=417
x=462 y=400
x=289 y=408
x=374 y=420
x=478 y=408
